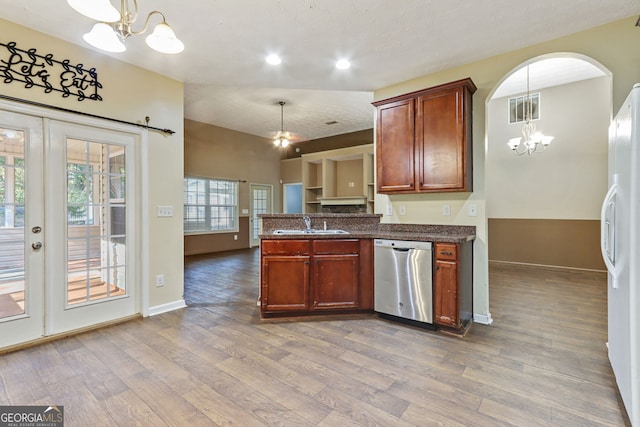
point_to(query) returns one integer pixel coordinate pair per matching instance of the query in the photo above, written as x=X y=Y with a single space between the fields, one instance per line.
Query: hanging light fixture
x=115 y=26
x=282 y=138
x=531 y=140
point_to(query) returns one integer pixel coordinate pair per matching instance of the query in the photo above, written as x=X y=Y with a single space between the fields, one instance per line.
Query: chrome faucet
x=307 y=221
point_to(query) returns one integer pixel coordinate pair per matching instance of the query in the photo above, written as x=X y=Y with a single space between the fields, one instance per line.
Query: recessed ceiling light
x=343 y=64
x=274 y=59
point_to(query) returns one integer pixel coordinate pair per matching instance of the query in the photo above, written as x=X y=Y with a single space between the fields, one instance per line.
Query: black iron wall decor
x=35 y=70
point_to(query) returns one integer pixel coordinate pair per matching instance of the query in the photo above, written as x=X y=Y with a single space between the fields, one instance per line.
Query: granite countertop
x=359 y=234
x=364 y=226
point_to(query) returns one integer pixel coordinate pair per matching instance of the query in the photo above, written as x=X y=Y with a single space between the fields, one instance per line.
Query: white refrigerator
x=620 y=243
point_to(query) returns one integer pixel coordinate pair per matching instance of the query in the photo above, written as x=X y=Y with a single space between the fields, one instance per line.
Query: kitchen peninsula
x=325 y=265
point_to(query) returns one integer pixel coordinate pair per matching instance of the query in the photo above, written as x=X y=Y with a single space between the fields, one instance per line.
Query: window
x=11 y=191
x=210 y=205
x=517 y=108
x=79 y=194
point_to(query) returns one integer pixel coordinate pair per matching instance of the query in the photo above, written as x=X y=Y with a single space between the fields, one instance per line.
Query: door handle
x=36 y=245
x=36 y=229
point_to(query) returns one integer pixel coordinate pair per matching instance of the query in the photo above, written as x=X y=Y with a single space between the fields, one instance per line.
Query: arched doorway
x=544 y=208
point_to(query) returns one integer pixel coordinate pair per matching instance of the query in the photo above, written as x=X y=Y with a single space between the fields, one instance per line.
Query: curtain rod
x=66 y=110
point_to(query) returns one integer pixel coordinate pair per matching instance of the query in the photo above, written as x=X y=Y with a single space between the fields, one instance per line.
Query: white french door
x=21 y=224
x=67 y=238
x=261 y=203
x=90 y=188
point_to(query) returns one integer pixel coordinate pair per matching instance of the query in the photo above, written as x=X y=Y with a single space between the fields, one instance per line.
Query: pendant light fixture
x=531 y=140
x=116 y=26
x=282 y=138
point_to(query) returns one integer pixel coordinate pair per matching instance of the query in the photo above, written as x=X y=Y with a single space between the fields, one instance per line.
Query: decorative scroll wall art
x=35 y=70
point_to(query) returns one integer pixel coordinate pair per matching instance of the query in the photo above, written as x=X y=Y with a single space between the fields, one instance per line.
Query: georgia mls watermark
x=31 y=416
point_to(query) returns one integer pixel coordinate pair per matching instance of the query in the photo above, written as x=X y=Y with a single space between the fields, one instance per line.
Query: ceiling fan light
x=273 y=59
x=164 y=40
x=103 y=37
x=343 y=64
x=100 y=10
x=285 y=142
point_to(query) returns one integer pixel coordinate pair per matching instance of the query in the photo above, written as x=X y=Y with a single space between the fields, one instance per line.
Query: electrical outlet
x=235 y=237
x=165 y=211
x=352 y=184
x=473 y=210
x=403 y=210
x=446 y=210
x=389 y=209
x=160 y=280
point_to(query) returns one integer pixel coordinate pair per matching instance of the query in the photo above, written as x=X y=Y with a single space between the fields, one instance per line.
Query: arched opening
x=544 y=208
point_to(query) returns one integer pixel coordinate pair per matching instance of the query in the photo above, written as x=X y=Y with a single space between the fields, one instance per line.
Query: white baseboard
x=484 y=319
x=170 y=306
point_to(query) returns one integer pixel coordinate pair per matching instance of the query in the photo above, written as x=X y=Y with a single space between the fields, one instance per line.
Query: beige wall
x=545 y=209
x=613 y=45
x=291 y=170
x=351 y=139
x=129 y=93
x=549 y=242
x=215 y=152
x=569 y=180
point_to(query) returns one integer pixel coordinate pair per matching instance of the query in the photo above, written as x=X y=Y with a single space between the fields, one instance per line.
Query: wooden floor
x=542 y=363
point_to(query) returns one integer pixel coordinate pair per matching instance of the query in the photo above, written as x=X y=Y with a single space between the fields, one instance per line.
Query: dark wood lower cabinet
x=291 y=273
x=335 y=281
x=452 y=286
x=318 y=276
x=445 y=303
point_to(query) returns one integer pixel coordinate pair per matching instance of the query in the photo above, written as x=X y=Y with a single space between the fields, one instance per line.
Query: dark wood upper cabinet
x=395 y=146
x=424 y=140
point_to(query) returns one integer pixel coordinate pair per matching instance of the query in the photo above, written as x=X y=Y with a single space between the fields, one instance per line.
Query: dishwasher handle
x=401 y=249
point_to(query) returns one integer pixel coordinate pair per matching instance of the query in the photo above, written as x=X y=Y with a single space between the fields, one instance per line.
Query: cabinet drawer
x=446 y=251
x=342 y=246
x=285 y=247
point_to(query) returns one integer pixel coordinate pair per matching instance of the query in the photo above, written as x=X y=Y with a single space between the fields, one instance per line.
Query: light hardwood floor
x=542 y=363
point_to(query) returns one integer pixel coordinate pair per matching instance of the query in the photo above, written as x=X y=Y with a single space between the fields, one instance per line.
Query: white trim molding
x=165 y=308
x=484 y=319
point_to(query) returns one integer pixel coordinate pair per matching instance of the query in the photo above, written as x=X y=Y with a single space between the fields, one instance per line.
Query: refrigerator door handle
x=608 y=231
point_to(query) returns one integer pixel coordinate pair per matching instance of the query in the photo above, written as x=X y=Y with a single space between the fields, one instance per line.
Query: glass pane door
x=260 y=204
x=94 y=169
x=21 y=221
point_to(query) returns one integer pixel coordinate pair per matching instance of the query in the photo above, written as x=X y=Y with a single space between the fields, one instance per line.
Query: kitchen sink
x=309 y=231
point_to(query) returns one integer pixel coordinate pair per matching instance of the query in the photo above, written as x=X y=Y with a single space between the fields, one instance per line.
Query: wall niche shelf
x=338 y=178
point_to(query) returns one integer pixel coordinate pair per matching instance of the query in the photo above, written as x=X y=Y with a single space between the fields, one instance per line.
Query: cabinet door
x=285 y=283
x=336 y=281
x=441 y=141
x=445 y=293
x=395 y=147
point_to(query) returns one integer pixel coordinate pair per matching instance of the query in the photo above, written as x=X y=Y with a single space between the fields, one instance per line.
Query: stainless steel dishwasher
x=402 y=280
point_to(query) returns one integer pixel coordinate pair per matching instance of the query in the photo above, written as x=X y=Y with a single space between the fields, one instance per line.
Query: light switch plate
x=473 y=210
x=403 y=210
x=446 y=210
x=165 y=211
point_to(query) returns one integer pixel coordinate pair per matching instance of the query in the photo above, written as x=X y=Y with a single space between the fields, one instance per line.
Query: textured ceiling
x=228 y=84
